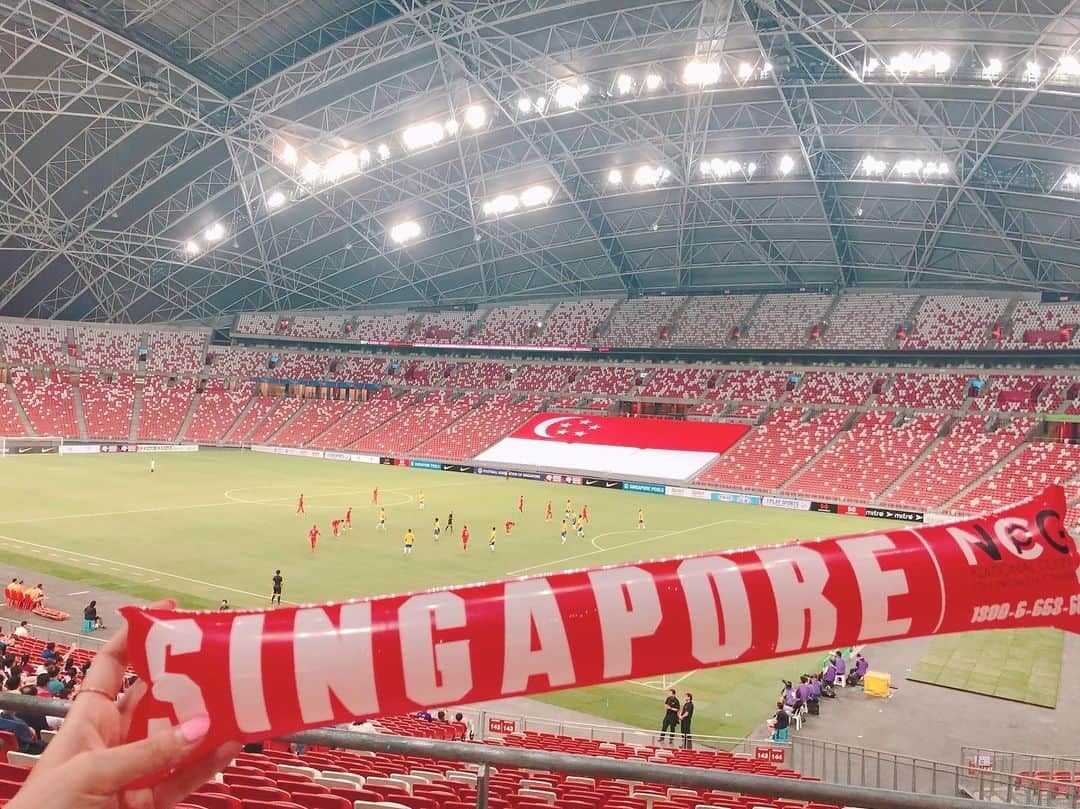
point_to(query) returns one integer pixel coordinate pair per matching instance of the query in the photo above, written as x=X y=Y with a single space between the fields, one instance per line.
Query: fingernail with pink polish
x=193 y=729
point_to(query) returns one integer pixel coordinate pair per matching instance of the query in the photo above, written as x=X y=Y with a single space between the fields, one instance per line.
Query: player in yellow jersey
x=436 y=530
x=641 y=518
x=566 y=510
x=410 y=538
x=562 y=532
x=381 y=525
x=420 y=500
x=491 y=538
x=580 y=526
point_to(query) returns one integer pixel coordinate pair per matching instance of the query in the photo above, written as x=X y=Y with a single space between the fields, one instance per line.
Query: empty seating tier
x=772 y=452
x=480 y=428
x=785 y=321
x=708 y=321
x=576 y=322
x=363 y=419
x=176 y=352
x=108 y=348
x=861 y=463
x=639 y=322
x=926 y=391
x=48 y=402
x=34 y=343
x=165 y=405
x=951 y=322
x=512 y=325
x=107 y=405
x=275 y=420
x=1032 y=468
x=418 y=423
x=316 y=416
x=1042 y=326
x=614 y=379
x=217 y=410
x=866 y=321
x=825 y=387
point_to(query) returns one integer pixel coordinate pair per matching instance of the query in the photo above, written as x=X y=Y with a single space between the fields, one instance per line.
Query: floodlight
x=275 y=200
x=502 y=204
x=1068 y=67
x=568 y=96
x=701 y=73
x=624 y=83
x=365 y=157
x=192 y=248
x=786 y=165
x=540 y=104
x=746 y=70
x=1071 y=181
x=1032 y=71
x=871 y=65
x=420 y=136
x=873 y=166
x=614 y=177
x=383 y=151
x=404 y=231
x=536 y=195
x=215 y=232
x=992 y=70
x=751 y=168
x=908 y=167
x=653 y=81
x=525 y=105
x=650 y=175
x=311 y=171
x=339 y=166
x=288 y=155
x=451 y=127
x=475 y=116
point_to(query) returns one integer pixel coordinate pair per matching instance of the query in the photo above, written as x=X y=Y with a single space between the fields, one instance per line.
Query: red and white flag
x=656 y=448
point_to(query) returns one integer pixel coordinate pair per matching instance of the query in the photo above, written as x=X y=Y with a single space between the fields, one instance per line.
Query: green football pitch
x=216 y=524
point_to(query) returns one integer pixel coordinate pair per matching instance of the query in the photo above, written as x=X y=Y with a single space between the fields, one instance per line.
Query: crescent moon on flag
x=542 y=428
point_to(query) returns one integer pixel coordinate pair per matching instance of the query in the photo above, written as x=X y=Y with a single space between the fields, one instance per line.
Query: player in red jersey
x=464 y=537
x=509 y=526
x=584 y=513
x=348 y=518
x=547 y=512
x=313 y=537
x=375 y=496
x=521 y=504
x=300 y=505
x=335 y=527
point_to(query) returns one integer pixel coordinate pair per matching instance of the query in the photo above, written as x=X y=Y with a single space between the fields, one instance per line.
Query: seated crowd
x=799 y=701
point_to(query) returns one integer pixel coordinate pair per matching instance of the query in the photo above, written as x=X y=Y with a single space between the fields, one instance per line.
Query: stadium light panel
x=653 y=81
x=502 y=204
x=650 y=175
x=536 y=195
x=570 y=95
x=340 y=165
x=1068 y=67
x=1032 y=72
x=873 y=166
x=383 y=151
x=746 y=70
x=311 y=171
x=192 y=248
x=421 y=136
x=475 y=116
x=404 y=232
x=871 y=65
x=786 y=165
x=365 y=157
x=540 y=104
x=992 y=70
x=289 y=155
x=701 y=73
x=614 y=177
x=451 y=127
x=275 y=200
x=1071 y=181
x=766 y=69
x=924 y=63
x=624 y=84
x=751 y=168
x=525 y=105
x=721 y=169
x=215 y=232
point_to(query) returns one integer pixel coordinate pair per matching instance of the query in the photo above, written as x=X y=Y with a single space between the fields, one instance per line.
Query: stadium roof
x=177 y=159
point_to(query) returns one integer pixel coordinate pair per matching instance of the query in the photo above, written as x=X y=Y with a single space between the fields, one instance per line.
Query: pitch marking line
x=654 y=538
x=138 y=570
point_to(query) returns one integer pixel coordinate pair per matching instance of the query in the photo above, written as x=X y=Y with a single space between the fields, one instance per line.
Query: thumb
x=117 y=767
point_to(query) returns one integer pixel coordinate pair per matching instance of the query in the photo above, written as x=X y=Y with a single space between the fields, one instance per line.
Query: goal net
x=24 y=445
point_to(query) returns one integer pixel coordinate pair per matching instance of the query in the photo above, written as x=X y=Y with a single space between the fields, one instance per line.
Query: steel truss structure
x=127 y=127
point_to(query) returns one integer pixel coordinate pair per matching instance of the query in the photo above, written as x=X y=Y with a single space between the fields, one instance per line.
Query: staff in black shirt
x=275 y=596
x=686 y=716
x=671 y=716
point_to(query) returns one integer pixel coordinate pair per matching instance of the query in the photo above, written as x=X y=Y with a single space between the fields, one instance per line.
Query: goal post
x=30 y=445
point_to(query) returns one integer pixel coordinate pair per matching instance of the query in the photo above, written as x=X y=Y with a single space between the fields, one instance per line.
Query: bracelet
x=85 y=690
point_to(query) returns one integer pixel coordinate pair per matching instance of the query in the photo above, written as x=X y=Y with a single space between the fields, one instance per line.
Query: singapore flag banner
x=656 y=448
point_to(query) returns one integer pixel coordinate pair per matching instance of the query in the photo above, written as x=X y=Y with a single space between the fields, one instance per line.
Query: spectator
x=224 y=606
x=367 y=726
x=802 y=693
x=788 y=694
x=780 y=724
x=425 y=715
x=840 y=664
x=54 y=686
x=28 y=741
x=48 y=654
x=686 y=716
x=37 y=722
x=830 y=672
x=43 y=685
x=463 y=726
x=22 y=630
x=9 y=639
x=671 y=716
x=858 y=671
x=90 y=617
x=441 y=717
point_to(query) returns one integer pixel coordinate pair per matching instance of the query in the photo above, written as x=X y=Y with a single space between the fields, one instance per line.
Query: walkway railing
x=490 y=757
x=83 y=641
x=866 y=767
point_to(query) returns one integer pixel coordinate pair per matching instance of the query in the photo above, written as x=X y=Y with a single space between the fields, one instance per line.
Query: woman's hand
x=88 y=766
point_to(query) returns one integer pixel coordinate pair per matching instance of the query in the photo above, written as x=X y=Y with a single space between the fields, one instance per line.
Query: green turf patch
x=1022 y=665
